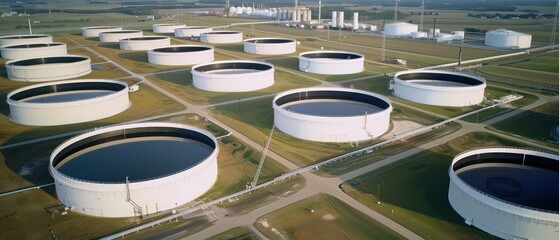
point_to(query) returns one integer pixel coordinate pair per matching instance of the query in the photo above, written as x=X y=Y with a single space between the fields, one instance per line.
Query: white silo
x=239 y=10
x=507 y=39
x=289 y=14
x=249 y=11
x=309 y=15
x=355 y=20
x=232 y=9
x=334 y=19
x=341 y=19
x=304 y=13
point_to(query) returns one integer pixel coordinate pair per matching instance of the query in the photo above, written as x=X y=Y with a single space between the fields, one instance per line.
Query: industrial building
x=25 y=39
x=503 y=38
x=332 y=114
x=438 y=88
x=233 y=76
x=507 y=192
x=331 y=62
x=115 y=36
x=91 y=32
x=67 y=102
x=118 y=172
x=166 y=28
x=22 y=51
x=181 y=55
x=221 y=37
x=51 y=68
x=270 y=46
x=144 y=43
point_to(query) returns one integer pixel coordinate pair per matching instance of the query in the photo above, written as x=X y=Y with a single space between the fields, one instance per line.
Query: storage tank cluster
x=439 y=88
x=338 y=20
x=118 y=172
x=503 y=38
x=510 y=193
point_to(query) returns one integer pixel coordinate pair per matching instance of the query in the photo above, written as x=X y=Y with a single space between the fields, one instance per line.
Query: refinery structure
x=170 y=120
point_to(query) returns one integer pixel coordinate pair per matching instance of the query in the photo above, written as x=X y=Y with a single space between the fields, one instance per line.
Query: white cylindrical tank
x=458 y=35
x=192 y=31
x=439 y=88
x=166 y=28
x=399 y=29
x=503 y=38
x=332 y=114
x=233 y=76
x=232 y=9
x=355 y=20
x=181 y=55
x=90 y=32
x=23 y=51
x=304 y=17
x=507 y=192
x=131 y=181
x=270 y=46
x=341 y=19
x=144 y=43
x=67 y=102
x=295 y=15
x=25 y=39
x=416 y=35
x=309 y=15
x=331 y=62
x=115 y=36
x=48 y=68
x=334 y=19
x=221 y=37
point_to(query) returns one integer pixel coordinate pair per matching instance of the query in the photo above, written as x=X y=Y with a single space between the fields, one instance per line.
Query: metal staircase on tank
x=262 y=158
x=137 y=208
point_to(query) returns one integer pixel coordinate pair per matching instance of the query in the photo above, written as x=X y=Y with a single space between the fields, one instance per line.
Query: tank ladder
x=365 y=127
x=262 y=158
x=137 y=208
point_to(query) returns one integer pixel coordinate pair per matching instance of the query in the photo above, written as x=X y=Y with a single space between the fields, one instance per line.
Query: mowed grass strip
x=322 y=217
x=541 y=63
x=414 y=191
x=538 y=124
x=238 y=233
x=535 y=78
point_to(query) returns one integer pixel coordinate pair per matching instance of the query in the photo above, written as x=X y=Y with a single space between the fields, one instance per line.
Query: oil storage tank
x=233 y=76
x=439 y=88
x=221 y=37
x=25 y=39
x=144 y=43
x=93 y=32
x=134 y=169
x=67 y=102
x=503 y=38
x=270 y=46
x=166 y=28
x=508 y=192
x=51 y=68
x=332 y=114
x=399 y=29
x=331 y=62
x=115 y=36
x=181 y=55
x=192 y=31
x=22 y=51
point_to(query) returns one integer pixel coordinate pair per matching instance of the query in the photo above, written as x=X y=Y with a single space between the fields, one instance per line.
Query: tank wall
x=333 y=67
x=233 y=82
x=42 y=73
x=69 y=113
x=340 y=129
x=455 y=97
x=166 y=28
x=116 y=37
x=21 y=53
x=494 y=219
x=187 y=58
x=94 y=32
x=144 y=45
x=270 y=49
x=400 y=30
x=45 y=39
x=219 y=38
x=109 y=200
x=187 y=32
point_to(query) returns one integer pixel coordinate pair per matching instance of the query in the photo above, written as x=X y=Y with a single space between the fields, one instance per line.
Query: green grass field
x=321 y=217
x=239 y=233
x=537 y=124
x=413 y=192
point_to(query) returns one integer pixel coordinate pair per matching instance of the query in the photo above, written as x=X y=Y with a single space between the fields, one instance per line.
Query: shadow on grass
x=135 y=56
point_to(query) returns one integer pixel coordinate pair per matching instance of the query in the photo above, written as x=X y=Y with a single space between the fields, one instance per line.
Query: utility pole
x=434 y=26
x=226 y=8
x=383 y=38
x=460 y=58
x=421 y=20
x=319 y=11
x=396 y=12
x=552 y=40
